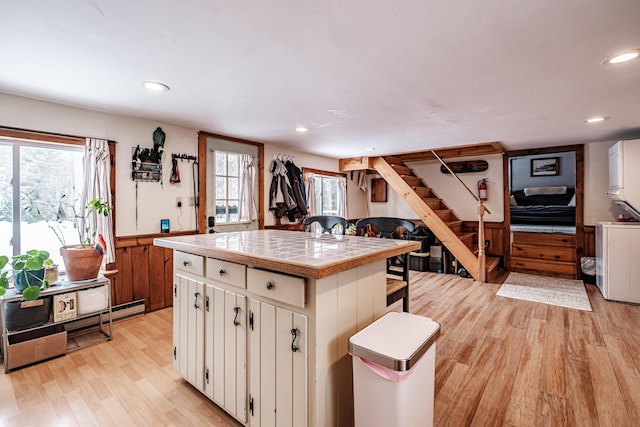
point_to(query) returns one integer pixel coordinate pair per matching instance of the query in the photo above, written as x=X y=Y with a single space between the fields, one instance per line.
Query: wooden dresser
x=544 y=254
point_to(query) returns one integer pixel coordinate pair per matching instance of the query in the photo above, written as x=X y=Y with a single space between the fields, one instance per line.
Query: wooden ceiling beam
x=481 y=149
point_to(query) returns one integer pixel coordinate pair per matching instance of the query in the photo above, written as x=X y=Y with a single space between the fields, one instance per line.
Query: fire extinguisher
x=482 y=190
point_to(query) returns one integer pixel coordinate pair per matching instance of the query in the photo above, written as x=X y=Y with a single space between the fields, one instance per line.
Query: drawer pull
x=269 y=285
x=294 y=347
x=236 y=310
x=195 y=301
x=222 y=272
x=186 y=263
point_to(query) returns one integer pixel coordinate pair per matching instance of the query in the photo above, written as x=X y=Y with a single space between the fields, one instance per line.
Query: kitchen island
x=262 y=319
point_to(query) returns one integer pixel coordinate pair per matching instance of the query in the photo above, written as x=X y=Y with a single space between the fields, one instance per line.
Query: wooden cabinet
x=544 y=254
x=278 y=366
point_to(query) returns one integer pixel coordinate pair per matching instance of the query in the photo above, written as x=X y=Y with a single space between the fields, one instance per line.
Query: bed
x=543 y=205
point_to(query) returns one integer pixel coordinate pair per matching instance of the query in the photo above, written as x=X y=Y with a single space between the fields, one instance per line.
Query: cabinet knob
x=185 y=263
x=222 y=272
x=269 y=285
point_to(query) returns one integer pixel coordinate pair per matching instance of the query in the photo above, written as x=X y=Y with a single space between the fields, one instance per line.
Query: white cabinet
x=278 y=366
x=188 y=329
x=616 y=171
x=238 y=339
x=226 y=350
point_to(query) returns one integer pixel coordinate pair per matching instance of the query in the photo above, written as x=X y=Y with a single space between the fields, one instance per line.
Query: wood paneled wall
x=494 y=232
x=589 y=241
x=144 y=272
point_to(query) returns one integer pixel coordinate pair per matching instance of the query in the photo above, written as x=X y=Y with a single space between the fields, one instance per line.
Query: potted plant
x=28 y=273
x=82 y=261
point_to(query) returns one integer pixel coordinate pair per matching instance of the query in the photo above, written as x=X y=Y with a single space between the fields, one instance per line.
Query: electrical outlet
x=179 y=202
x=192 y=201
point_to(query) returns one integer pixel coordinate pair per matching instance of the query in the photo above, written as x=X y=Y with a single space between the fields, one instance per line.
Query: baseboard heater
x=118 y=312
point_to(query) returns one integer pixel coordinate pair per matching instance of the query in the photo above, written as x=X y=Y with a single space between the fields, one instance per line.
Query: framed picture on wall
x=548 y=166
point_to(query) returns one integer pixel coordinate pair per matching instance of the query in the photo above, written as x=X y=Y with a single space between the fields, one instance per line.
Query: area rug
x=547 y=290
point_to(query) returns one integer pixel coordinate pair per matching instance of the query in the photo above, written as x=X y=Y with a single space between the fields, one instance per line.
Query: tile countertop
x=293 y=252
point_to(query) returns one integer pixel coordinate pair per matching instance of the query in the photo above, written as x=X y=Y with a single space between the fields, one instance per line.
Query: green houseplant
x=82 y=261
x=28 y=273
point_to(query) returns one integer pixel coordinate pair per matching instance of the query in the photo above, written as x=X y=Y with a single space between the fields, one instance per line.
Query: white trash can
x=393 y=371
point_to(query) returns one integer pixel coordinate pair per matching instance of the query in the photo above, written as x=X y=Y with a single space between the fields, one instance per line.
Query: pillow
x=572 y=202
x=534 y=191
x=513 y=201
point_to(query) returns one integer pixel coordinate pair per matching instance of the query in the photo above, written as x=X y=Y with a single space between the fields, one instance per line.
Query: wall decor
x=545 y=167
x=146 y=163
x=464 y=167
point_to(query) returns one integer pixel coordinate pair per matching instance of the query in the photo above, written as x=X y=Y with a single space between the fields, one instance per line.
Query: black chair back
x=384 y=225
x=326 y=223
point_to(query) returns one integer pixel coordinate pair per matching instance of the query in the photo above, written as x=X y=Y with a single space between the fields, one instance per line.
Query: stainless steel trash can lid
x=395 y=341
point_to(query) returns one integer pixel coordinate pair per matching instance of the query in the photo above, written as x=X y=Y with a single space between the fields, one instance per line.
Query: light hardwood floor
x=499 y=362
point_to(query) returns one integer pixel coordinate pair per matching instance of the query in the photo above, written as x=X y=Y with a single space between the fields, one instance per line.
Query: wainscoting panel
x=144 y=272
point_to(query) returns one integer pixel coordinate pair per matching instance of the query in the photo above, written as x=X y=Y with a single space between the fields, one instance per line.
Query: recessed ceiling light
x=622 y=57
x=369 y=149
x=596 y=119
x=302 y=129
x=155 y=86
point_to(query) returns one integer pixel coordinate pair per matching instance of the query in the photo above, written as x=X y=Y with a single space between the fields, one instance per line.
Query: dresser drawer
x=227 y=272
x=188 y=262
x=276 y=286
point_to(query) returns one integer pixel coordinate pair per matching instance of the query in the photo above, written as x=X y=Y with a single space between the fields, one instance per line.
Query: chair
x=385 y=227
x=326 y=223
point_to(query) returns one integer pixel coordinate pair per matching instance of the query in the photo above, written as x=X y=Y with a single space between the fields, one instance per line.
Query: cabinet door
x=278 y=366
x=188 y=327
x=615 y=167
x=225 y=350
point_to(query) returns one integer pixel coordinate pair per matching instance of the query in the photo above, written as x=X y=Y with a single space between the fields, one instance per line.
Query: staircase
x=435 y=214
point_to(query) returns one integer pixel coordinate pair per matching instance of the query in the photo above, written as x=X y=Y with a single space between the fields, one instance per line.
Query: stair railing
x=482 y=259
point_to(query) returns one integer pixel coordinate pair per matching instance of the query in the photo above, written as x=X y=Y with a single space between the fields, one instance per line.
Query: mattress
x=546 y=215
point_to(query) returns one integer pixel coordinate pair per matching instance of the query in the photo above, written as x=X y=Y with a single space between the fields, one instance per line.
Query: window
x=326 y=192
x=227 y=183
x=39 y=183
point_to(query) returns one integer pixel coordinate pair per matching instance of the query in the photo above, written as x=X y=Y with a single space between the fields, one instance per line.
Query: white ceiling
x=397 y=75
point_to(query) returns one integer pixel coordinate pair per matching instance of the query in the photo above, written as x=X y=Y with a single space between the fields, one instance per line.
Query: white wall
x=456 y=197
x=154 y=201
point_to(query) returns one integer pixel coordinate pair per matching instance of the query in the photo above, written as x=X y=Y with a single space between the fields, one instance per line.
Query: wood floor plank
x=499 y=362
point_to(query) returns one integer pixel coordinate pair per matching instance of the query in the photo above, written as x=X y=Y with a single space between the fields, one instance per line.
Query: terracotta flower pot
x=81 y=262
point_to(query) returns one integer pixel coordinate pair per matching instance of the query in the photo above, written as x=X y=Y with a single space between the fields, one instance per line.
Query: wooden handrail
x=482 y=259
x=460 y=181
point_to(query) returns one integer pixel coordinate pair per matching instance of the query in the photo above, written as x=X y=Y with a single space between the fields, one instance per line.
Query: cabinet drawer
x=227 y=272
x=188 y=262
x=279 y=287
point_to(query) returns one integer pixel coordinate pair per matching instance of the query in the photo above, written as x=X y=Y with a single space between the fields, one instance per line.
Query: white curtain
x=247 y=205
x=342 y=197
x=310 y=179
x=97 y=176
